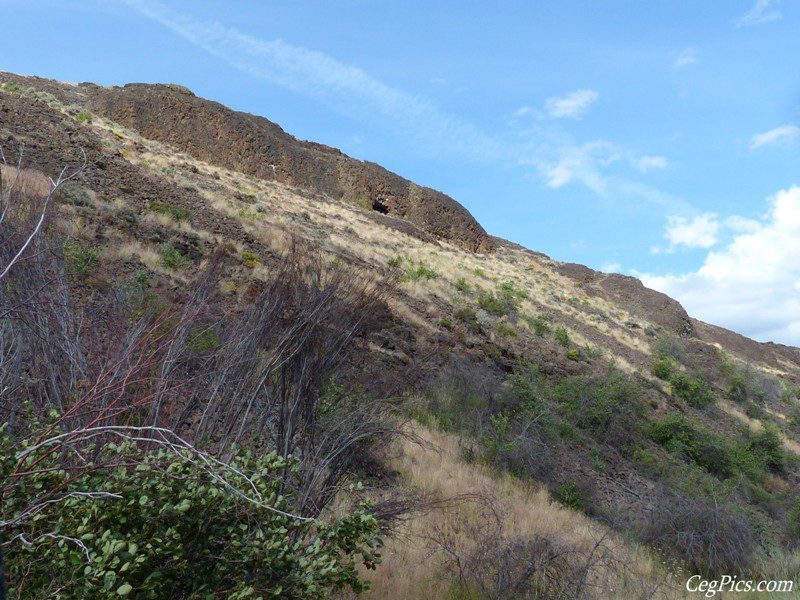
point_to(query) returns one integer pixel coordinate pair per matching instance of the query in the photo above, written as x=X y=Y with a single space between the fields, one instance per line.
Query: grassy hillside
x=552 y=415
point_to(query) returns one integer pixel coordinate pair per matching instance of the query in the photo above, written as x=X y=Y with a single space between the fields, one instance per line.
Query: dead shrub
x=710 y=536
x=486 y=560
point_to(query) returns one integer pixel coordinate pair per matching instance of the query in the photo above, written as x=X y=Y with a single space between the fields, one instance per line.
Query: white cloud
x=700 y=232
x=344 y=87
x=611 y=267
x=687 y=57
x=763 y=11
x=644 y=164
x=742 y=225
x=572 y=105
x=583 y=163
x=785 y=134
x=752 y=284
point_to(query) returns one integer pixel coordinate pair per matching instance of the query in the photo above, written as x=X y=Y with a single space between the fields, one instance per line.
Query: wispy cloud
x=785 y=134
x=643 y=164
x=573 y=105
x=688 y=57
x=345 y=88
x=353 y=92
x=763 y=11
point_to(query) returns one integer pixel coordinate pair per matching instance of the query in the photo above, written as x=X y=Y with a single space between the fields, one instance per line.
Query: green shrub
x=793 y=523
x=612 y=403
x=794 y=419
x=511 y=294
x=81 y=260
x=74 y=193
x=127 y=215
x=539 y=324
x=573 y=354
x=489 y=302
x=569 y=494
x=202 y=341
x=395 y=262
x=84 y=117
x=562 y=336
x=171 y=258
x=364 y=203
x=175 y=212
x=245 y=197
x=466 y=315
x=420 y=271
x=715 y=453
x=680 y=436
x=505 y=301
x=9 y=86
x=506 y=329
x=250 y=259
x=462 y=285
x=768 y=446
x=695 y=391
x=664 y=368
x=170 y=529
x=669 y=346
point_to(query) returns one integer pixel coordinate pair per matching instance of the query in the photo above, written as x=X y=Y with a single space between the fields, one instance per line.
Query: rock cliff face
x=255 y=146
x=631 y=293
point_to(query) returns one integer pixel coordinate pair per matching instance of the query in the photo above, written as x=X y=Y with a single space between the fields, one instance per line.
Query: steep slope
x=162 y=172
x=253 y=145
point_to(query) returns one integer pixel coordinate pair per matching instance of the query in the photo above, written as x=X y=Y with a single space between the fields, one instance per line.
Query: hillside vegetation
x=274 y=354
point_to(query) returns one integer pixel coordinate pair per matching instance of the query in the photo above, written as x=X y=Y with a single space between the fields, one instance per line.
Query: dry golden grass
x=27 y=182
x=410 y=571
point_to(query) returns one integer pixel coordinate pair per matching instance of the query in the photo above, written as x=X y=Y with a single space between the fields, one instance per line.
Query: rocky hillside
x=625 y=382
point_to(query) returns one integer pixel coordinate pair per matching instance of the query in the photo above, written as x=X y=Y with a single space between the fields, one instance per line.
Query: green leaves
x=166 y=534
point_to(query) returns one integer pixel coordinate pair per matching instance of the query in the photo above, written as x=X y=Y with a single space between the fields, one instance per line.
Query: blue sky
x=656 y=139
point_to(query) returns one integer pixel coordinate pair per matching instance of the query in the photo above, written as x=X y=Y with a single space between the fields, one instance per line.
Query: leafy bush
x=175 y=212
x=609 y=404
x=505 y=301
x=462 y=285
x=420 y=271
x=669 y=346
x=84 y=117
x=9 y=86
x=562 y=336
x=81 y=260
x=569 y=494
x=506 y=329
x=491 y=303
x=793 y=523
x=165 y=523
x=664 y=368
x=715 y=453
x=573 y=354
x=250 y=259
x=172 y=258
x=74 y=193
x=395 y=262
x=466 y=315
x=767 y=445
x=539 y=324
x=694 y=390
